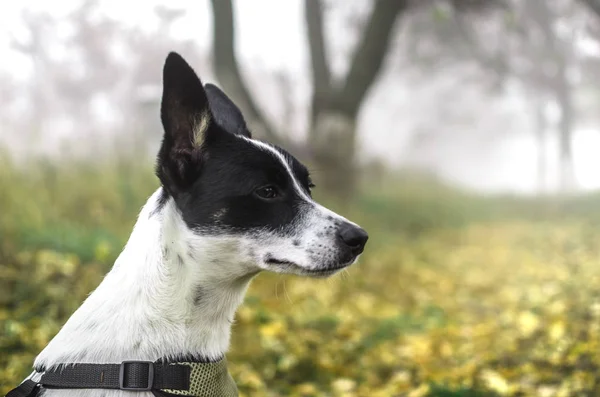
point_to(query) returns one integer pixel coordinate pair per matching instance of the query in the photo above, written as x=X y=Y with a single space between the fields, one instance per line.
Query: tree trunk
x=541 y=126
x=228 y=72
x=335 y=105
x=560 y=54
x=333 y=147
x=594 y=6
x=564 y=100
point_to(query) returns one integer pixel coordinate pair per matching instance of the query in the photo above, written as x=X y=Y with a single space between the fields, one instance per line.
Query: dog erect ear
x=187 y=121
x=225 y=112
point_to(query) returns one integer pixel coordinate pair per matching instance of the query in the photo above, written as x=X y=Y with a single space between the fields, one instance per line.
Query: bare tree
x=524 y=44
x=93 y=87
x=335 y=105
x=228 y=73
x=551 y=61
x=335 y=102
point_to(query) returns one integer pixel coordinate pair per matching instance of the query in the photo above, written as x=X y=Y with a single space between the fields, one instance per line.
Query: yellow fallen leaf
x=307 y=388
x=528 y=323
x=557 y=330
x=272 y=329
x=495 y=381
x=421 y=391
x=343 y=385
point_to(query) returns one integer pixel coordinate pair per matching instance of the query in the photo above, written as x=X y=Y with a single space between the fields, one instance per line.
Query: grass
x=457 y=295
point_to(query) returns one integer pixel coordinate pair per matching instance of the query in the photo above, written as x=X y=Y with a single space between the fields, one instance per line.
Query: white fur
x=144 y=308
x=200 y=129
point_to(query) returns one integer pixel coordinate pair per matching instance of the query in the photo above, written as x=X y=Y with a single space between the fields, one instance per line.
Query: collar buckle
x=132 y=369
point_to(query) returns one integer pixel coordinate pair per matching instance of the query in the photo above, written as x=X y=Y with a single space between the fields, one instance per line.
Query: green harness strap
x=208 y=380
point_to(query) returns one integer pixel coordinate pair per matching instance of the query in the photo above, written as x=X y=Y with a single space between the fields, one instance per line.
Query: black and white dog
x=229 y=207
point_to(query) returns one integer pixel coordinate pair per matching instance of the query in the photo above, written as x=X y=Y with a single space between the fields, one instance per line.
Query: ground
x=455 y=295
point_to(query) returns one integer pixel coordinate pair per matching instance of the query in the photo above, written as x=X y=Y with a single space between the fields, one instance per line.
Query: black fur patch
x=234 y=170
x=214 y=185
x=184 y=105
x=198 y=295
x=225 y=112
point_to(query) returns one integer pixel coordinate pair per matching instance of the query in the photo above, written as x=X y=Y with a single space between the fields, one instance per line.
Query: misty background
x=497 y=96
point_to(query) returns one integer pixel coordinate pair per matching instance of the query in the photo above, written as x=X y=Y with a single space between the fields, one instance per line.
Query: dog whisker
x=286 y=294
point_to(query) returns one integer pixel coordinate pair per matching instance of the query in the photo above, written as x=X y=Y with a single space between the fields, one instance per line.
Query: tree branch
x=478 y=5
x=321 y=76
x=493 y=62
x=228 y=72
x=370 y=53
x=593 y=5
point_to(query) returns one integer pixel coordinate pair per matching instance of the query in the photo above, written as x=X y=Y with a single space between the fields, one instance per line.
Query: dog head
x=251 y=199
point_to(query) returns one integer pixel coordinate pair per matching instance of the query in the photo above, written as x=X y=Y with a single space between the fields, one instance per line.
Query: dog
x=229 y=206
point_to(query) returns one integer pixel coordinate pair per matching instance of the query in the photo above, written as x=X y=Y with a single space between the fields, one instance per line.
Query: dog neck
x=171 y=293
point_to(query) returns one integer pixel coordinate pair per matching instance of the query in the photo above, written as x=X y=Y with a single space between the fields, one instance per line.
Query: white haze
x=491 y=149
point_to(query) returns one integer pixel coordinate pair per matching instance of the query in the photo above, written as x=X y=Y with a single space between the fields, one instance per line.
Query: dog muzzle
x=187 y=378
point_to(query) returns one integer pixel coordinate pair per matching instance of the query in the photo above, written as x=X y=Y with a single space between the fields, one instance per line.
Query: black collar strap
x=129 y=375
x=28 y=388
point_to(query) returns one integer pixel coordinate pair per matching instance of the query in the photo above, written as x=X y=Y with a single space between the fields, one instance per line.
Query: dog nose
x=354 y=237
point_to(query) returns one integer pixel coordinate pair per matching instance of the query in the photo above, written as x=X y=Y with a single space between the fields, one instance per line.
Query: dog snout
x=354 y=237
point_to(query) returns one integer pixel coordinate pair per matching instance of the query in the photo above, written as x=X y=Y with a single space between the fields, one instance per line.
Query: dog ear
x=187 y=121
x=225 y=113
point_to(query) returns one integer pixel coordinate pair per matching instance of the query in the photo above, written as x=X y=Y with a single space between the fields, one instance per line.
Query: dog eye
x=267 y=192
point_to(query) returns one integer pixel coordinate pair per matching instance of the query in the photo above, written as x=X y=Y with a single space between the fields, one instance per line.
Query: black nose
x=354 y=237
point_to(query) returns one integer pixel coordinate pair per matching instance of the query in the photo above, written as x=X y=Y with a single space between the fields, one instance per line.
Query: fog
x=450 y=119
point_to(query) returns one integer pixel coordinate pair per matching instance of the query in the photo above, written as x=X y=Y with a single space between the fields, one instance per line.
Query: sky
x=272 y=33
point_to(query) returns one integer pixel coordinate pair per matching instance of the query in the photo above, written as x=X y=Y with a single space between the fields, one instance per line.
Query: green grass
x=77 y=206
x=448 y=391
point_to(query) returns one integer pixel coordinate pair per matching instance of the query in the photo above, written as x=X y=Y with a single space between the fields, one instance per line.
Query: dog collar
x=188 y=378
